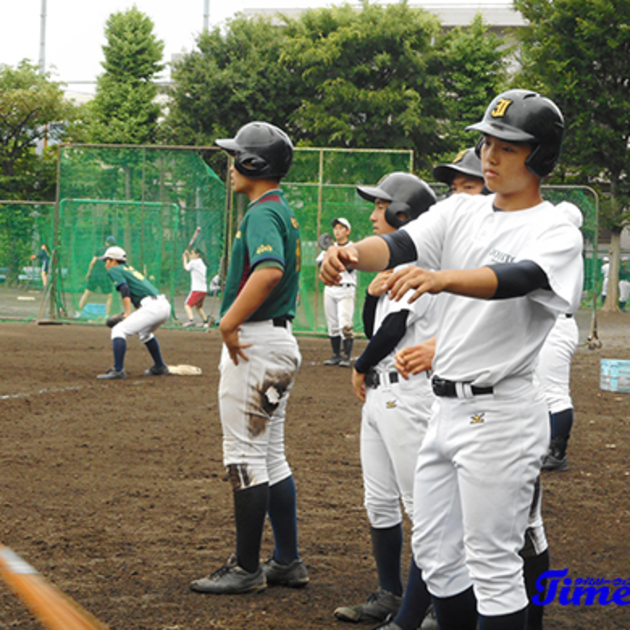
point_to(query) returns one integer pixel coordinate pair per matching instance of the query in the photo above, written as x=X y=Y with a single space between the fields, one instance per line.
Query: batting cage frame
x=151 y=199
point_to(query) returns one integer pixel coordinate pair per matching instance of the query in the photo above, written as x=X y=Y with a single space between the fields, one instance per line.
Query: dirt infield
x=114 y=490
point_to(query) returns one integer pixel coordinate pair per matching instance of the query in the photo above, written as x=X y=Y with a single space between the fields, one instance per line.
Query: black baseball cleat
x=293 y=575
x=157 y=370
x=334 y=360
x=112 y=374
x=377 y=607
x=231 y=580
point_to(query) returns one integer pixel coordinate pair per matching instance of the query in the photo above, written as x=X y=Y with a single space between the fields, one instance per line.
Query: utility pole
x=42 y=40
x=206 y=15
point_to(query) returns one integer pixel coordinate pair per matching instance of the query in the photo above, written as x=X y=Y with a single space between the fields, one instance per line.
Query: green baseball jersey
x=269 y=234
x=139 y=286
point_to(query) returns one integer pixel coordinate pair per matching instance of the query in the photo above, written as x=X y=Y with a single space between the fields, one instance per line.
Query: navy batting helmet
x=409 y=197
x=525 y=116
x=260 y=151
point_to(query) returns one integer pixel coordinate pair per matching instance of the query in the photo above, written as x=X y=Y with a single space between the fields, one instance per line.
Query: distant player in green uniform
x=97 y=279
x=152 y=310
x=258 y=366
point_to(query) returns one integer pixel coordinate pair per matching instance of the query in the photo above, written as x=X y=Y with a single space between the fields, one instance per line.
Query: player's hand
x=358 y=385
x=233 y=344
x=415 y=359
x=414 y=278
x=337 y=260
x=378 y=286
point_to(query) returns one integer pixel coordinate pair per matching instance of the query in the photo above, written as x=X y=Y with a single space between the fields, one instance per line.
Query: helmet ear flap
x=394 y=209
x=478 y=147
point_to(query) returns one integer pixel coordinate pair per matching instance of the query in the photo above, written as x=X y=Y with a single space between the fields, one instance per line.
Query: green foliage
x=369 y=77
x=124 y=110
x=378 y=77
x=229 y=81
x=473 y=65
x=578 y=53
x=29 y=101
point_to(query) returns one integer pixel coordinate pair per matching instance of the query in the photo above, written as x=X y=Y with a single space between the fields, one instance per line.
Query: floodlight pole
x=42 y=40
x=206 y=15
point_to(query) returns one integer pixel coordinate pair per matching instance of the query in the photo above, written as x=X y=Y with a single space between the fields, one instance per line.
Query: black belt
x=346 y=284
x=373 y=380
x=448 y=389
x=281 y=322
x=568 y=314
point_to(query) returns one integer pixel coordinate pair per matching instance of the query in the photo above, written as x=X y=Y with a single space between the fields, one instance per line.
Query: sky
x=75 y=30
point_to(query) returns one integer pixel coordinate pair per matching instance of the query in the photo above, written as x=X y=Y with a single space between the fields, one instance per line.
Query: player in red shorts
x=193 y=263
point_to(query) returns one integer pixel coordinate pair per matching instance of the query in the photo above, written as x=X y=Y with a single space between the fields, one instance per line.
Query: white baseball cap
x=341 y=221
x=115 y=253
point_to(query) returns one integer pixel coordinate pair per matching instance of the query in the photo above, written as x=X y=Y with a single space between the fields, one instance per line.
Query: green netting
x=320 y=187
x=150 y=200
x=587 y=201
x=24 y=228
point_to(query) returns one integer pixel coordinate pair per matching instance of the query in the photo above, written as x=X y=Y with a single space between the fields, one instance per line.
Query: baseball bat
x=54 y=609
x=194 y=238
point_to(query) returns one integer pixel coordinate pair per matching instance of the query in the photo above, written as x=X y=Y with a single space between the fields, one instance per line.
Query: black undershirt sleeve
x=124 y=290
x=518 y=279
x=390 y=332
x=402 y=249
x=369 y=312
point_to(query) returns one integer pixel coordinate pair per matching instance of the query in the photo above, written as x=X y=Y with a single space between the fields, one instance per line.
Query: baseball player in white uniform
x=554 y=371
x=339 y=302
x=606 y=274
x=395 y=412
x=520 y=262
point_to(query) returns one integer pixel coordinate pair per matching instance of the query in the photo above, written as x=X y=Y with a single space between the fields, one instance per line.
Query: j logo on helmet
x=501 y=108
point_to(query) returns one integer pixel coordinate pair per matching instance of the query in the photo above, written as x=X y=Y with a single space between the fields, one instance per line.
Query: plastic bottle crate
x=614 y=375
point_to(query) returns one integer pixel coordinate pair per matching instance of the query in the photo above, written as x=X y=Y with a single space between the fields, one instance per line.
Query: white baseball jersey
x=485 y=341
x=348 y=277
x=421 y=321
x=198 y=271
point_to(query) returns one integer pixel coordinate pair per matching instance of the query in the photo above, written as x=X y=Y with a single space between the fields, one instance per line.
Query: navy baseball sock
x=250 y=510
x=561 y=424
x=120 y=349
x=533 y=568
x=415 y=602
x=387 y=547
x=458 y=612
x=154 y=350
x=513 y=621
x=283 y=517
x=335 y=343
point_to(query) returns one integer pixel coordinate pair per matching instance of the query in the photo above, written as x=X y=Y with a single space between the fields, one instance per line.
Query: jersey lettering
x=501 y=108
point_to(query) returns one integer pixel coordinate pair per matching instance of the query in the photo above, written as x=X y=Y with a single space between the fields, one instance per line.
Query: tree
x=29 y=102
x=229 y=81
x=473 y=65
x=369 y=77
x=578 y=53
x=124 y=110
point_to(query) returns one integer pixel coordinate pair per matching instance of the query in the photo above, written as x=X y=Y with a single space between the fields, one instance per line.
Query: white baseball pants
x=339 y=310
x=473 y=493
x=394 y=422
x=153 y=312
x=253 y=398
